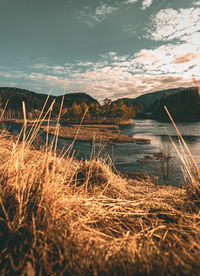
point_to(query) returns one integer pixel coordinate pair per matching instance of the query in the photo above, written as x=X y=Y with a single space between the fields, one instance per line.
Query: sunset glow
x=106 y=49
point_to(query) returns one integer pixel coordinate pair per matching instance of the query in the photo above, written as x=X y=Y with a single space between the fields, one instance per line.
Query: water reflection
x=144 y=157
x=160 y=142
x=133 y=157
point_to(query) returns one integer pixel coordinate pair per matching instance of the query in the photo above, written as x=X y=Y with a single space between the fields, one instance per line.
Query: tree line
x=108 y=110
x=183 y=106
x=74 y=107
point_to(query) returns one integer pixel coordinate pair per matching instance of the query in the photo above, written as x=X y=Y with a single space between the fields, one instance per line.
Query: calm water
x=142 y=158
x=133 y=158
x=160 y=142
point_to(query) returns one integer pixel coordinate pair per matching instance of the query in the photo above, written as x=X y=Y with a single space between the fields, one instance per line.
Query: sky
x=106 y=48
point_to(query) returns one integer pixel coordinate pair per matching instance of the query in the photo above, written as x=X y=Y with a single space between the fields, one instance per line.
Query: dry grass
x=60 y=216
x=190 y=168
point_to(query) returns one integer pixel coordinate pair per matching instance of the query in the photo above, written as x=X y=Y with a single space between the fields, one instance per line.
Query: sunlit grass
x=61 y=216
x=190 y=168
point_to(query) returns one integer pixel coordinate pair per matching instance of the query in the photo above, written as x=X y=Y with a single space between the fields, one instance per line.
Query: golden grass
x=190 y=168
x=196 y=84
x=61 y=216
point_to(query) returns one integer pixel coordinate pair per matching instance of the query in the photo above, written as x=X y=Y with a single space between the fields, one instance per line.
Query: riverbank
x=110 y=134
x=61 y=216
x=100 y=133
x=105 y=121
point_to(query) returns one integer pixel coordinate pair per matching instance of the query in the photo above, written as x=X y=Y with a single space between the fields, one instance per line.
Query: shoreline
x=102 y=133
x=110 y=134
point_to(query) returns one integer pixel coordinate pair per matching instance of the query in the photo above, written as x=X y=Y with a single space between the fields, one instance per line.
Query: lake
x=148 y=158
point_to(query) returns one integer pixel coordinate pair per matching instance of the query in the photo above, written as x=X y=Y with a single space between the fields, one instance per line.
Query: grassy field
x=61 y=216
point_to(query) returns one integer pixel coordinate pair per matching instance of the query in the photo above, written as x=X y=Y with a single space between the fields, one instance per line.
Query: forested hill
x=34 y=101
x=148 y=99
x=183 y=105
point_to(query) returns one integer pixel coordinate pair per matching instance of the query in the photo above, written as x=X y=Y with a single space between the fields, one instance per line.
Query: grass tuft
x=60 y=216
x=190 y=168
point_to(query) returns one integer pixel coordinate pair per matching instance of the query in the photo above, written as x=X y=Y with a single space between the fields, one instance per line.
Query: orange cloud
x=179 y=59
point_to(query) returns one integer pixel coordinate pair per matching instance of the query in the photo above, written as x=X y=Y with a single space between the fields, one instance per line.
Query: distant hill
x=147 y=100
x=35 y=101
x=78 y=98
x=183 y=105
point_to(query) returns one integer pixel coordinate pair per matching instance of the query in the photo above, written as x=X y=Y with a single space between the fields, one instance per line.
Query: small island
x=109 y=134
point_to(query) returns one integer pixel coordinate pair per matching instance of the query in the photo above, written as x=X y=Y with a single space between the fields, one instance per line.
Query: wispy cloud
x=130 y=76
x=12 y=74
x=196 y=3
x=168 y=59
x=131 y=1
x=180 y=59
x=114 y=75
x=170 y=24
x=133 y=29
x=51 y=79
x=91 y=17
x=33 y=80
x=55 y=69
x=103 y=11
x=146 y=4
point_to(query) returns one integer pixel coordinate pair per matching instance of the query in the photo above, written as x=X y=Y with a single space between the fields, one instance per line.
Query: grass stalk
x=191 y=170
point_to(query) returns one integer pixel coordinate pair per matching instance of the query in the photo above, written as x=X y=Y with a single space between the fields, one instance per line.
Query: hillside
x=148 y=99
x=34 y=101
x=183 y=105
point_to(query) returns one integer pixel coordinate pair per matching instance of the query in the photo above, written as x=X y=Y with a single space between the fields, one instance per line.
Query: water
x=132 y=157
x=158 y=133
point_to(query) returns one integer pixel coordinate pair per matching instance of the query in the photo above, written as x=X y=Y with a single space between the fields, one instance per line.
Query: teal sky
x=107 y=48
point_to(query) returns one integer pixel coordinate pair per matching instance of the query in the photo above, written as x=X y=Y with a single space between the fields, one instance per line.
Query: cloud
x=51 y=79
x=52 y=69
x=179 y=59
x=5 y=83
x=34 y=81
x=169 y=59
x=134 y=86
x=114 y=75
x=196 y=3
x=148 y=56
x=134 y=29
x=131 y=1
x=91 y=17
x=130 y=76
x=13 y=74
x=170 y=24
x=102 y=12
x=146 y=4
